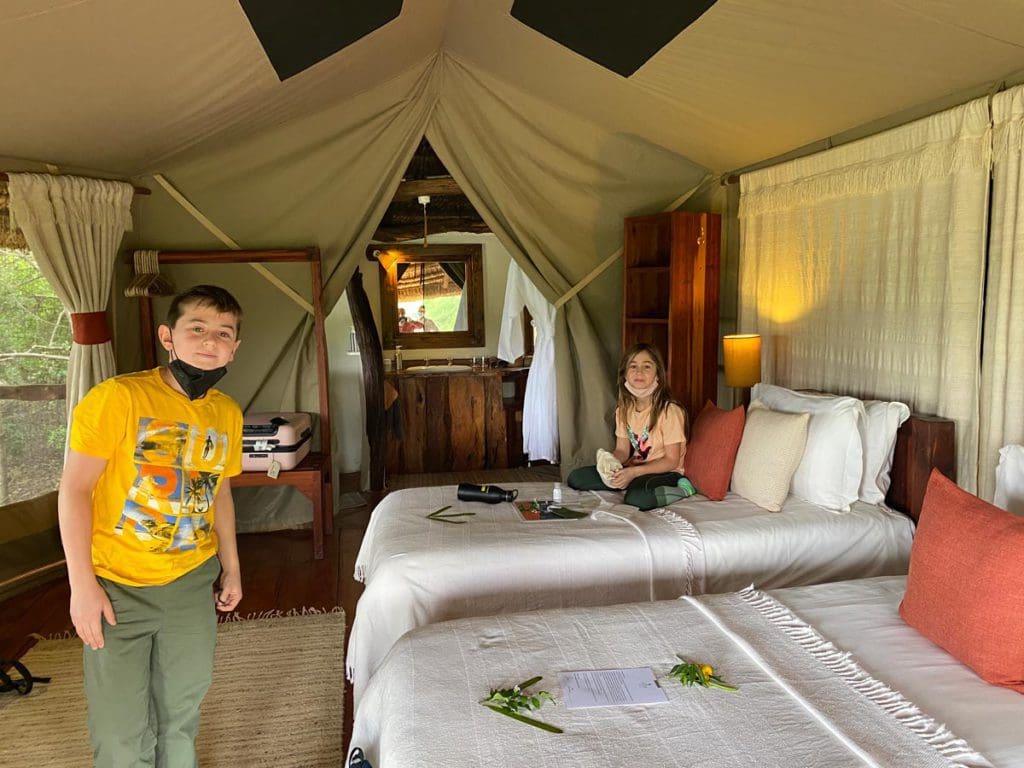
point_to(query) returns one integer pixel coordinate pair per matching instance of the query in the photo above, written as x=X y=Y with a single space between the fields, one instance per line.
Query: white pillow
x=769 y=453
x=832 y=466
x=1010 y=479
x=883 y=420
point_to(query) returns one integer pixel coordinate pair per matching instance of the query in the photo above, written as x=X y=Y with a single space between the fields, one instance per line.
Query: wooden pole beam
x=410 y=190
x=401 y=233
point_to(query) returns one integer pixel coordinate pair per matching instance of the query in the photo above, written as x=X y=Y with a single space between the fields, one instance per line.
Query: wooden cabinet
x=670 y=298
x=455 y=421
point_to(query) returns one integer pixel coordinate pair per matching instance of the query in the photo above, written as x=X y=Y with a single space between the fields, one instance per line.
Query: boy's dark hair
x=206 y=296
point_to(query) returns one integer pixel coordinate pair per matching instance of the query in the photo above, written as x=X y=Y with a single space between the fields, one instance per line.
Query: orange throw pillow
x=711 y=449
x=965 y=590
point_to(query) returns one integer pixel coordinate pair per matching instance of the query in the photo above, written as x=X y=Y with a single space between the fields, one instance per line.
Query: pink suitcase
x=269 y=437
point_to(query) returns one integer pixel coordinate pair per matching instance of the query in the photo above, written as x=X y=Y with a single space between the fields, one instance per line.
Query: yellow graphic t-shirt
x=152 y=508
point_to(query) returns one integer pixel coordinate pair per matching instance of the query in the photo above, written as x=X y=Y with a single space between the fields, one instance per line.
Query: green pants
x=145 y=685
x=639 y=493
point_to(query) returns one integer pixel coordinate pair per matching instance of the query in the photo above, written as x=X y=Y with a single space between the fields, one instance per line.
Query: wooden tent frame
x=313 y=477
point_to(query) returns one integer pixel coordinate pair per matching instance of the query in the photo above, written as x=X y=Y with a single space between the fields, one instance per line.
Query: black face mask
x=195 y=381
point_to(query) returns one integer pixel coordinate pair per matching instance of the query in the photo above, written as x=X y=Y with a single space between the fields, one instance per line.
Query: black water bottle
x=491 y=494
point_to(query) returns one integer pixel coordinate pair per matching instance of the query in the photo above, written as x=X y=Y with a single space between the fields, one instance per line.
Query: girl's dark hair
x=662 y=396
x=205 y=296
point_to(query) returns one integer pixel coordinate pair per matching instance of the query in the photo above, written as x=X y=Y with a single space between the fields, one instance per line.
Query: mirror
x=431 y=296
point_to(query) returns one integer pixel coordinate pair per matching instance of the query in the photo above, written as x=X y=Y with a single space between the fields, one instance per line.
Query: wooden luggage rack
x=313 y=475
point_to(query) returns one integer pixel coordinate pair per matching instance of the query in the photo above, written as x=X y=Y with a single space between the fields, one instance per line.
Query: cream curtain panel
x=74 y=227
x=863 y=268
x=1002 y=364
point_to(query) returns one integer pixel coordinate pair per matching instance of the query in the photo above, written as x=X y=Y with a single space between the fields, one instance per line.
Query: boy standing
x=145 y=510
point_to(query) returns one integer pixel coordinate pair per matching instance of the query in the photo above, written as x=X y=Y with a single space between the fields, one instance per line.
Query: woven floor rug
x=276 y=700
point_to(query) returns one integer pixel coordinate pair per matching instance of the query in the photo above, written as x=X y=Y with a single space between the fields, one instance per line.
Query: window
x=35 y=344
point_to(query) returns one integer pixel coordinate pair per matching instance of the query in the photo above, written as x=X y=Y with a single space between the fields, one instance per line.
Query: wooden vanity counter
x=455 y=420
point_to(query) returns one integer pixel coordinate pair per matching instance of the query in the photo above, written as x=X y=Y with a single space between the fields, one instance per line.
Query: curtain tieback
x=89 y=328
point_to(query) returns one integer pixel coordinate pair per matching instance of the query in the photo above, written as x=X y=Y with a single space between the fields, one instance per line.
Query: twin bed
x=827 y=675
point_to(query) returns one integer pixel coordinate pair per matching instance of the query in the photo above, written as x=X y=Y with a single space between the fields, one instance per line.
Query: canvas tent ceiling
x=750 y=79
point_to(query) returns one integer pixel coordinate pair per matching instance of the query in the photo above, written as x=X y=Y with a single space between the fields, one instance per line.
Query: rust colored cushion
x=711 y=450
x=965 y=590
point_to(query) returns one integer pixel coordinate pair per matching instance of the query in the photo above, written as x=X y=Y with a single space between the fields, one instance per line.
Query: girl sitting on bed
x=650 y=436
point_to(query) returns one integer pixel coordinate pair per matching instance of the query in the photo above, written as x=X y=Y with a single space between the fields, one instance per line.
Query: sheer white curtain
x=1002 y=364
x=863 y=268
x=74 y=227
x=540 y=403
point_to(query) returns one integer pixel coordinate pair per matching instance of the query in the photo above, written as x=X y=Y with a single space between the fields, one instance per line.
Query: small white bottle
x=556 y=493
x=398 y=357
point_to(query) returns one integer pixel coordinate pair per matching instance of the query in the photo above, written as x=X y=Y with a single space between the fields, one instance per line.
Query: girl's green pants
x=639 y=493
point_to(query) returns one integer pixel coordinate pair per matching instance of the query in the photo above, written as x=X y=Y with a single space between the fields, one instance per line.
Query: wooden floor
x=278 y=572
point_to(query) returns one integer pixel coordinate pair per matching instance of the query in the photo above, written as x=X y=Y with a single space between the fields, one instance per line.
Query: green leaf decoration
x=439 y=516
x=691 y=673
x=524 y=719
x=508 y=701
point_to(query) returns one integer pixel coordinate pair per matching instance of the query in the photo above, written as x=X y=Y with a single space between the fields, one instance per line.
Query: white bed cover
x=419 y=572
x=422 y=706
x=803 y=544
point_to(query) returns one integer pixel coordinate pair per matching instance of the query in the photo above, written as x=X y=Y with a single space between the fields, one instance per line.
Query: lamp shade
x=742 y=359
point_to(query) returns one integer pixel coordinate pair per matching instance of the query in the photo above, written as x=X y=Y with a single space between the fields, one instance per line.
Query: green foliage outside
x=35 y=342
x=442 y=310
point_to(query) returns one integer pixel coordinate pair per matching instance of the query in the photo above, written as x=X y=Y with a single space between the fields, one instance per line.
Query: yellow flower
x=707 y=670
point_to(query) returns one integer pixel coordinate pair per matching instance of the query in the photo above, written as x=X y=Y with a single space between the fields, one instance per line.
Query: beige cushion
x=770 y=451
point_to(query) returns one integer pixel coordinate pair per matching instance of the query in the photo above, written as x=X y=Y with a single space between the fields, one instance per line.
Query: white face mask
x=641 y=393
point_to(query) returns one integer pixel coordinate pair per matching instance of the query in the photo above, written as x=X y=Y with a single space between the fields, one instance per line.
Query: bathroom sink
x=456 y=368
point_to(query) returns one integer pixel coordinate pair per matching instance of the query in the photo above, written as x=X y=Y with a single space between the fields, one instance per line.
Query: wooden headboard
x=923 y=443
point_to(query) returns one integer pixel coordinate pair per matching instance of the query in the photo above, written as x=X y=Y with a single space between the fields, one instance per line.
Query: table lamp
x=742 y=362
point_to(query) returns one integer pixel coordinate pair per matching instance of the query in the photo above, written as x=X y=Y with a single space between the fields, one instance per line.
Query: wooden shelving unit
x=670 y=298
